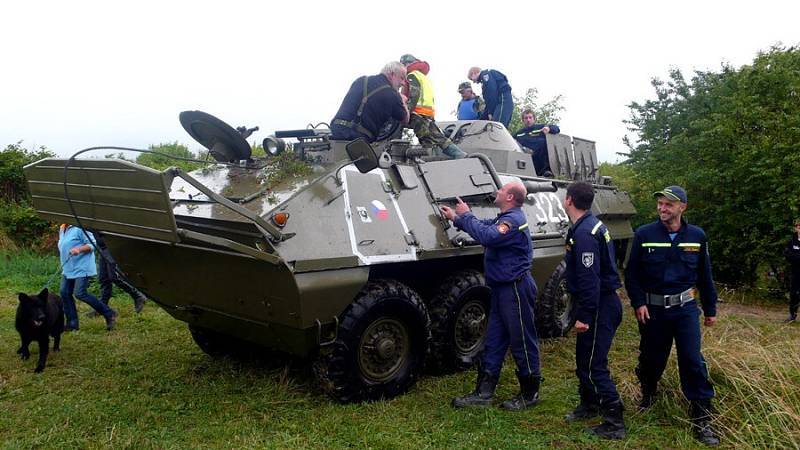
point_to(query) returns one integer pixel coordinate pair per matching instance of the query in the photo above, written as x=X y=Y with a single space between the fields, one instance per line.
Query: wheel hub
x=470 y=326
x=385 y=347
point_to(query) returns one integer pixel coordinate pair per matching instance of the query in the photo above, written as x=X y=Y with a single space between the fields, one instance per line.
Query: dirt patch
x=752 y=311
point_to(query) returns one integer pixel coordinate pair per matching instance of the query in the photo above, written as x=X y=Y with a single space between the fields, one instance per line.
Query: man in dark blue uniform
x=792 y=254
x=533 y=140
x=668 y=259
x=592 y=279
x=496 y=92
x=507 y=264
x=370 y=103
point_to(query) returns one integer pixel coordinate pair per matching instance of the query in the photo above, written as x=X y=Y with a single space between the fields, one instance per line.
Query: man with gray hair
x=370 y=103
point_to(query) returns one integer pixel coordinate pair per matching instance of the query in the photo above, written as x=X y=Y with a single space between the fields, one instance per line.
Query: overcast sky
x=75 y=74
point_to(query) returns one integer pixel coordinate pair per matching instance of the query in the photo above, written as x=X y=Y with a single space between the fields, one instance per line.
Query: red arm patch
x=503 y=227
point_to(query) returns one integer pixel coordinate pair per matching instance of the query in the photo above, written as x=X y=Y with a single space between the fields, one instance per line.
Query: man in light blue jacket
x=76 y=248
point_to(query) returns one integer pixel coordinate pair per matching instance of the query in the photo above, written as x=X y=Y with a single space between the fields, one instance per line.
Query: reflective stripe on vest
x=523 y=226
x=425 y=103
x=656 y=244
x=689 y=244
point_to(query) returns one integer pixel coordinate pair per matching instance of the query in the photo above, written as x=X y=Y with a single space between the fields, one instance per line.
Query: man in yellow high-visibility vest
x=420 y=104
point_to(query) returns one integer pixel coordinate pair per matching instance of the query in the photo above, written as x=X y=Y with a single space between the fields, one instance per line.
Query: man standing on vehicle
x=370 y=103
x=792 y=254
x=592 y=279
x=421 y=105
x=668 y=259
x=497 y=93
x=507 y=263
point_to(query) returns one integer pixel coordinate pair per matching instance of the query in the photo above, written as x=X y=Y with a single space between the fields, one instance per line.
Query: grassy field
x=146 y=385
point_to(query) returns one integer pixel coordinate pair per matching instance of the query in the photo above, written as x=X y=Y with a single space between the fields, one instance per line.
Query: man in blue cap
x=669 y=259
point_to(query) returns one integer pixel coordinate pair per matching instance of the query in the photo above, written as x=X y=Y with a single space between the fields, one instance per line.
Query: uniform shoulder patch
x=503 y=227
x=587 y=258
x=485 y=78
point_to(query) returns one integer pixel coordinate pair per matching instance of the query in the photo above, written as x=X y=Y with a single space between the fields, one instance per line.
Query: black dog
x=38 y=318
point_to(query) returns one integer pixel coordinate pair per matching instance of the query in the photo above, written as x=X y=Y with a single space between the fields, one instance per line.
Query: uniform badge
x=588 y=259
x=503 y=228
x=486 y=78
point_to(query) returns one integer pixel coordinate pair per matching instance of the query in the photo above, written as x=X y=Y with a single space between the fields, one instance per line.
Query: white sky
x=75 y=74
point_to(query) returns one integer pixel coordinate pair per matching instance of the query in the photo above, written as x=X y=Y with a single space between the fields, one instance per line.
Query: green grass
x=146 y=385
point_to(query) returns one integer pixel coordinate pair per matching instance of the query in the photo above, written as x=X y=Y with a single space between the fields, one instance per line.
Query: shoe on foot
x=111 y=320
x=138 y=303
x=483 y=393
x=583 y=411
x=613 y=426
x=790 y=319
x=528 y=393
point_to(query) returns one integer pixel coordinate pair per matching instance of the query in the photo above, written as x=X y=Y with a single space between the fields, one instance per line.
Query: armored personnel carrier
x=352 y=265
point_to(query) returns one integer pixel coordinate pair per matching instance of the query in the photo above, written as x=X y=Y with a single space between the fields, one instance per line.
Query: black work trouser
x=108 y=276
x=794 y=295
x=591 y=352
x=681 y=324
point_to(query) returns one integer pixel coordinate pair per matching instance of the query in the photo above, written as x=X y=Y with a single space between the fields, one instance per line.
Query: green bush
x=13 y=158
x=18 y=221
x=21 y=224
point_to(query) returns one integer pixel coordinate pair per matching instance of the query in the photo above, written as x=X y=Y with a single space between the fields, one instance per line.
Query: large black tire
x=459 y=317
x=555 y=308
x=380 y=347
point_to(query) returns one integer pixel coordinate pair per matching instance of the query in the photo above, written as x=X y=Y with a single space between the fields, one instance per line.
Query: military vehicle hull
x=362 y=273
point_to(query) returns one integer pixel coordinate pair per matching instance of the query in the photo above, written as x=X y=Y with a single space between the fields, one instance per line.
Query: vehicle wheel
x=555 y=308
x=459 y=317
x=380 y=347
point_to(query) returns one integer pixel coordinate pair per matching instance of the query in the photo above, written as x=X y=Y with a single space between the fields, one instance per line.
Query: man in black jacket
x=792 y=254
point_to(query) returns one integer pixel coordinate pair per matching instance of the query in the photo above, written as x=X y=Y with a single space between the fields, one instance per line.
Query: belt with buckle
x=668 y=301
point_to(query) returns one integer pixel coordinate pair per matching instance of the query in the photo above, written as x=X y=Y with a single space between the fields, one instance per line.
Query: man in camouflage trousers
x=420 y=104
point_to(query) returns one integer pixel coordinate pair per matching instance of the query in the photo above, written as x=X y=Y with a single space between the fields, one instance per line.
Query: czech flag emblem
x=379 y=209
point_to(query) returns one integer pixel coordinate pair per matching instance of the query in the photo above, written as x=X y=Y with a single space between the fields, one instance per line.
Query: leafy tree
x=640 y=189
x=161 y=162
x=732 y=139
x=548 y=112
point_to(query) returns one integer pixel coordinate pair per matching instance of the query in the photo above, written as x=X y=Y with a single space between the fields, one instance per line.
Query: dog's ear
x=43 y=295
x=23 y=298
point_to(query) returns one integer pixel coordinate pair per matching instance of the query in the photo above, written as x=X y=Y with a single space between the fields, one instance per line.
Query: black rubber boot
x=613 y=426
x=528 y=393
x=483 y=393
x=701 y=423
x=587 y=409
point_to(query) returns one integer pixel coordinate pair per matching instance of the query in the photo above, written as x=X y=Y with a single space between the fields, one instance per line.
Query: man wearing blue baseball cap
x=669 y=263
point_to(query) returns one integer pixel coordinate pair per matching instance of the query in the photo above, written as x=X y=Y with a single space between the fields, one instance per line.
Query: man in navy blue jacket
x=507 y=263
x=592 y=279
x=669 y=259
x=532 y=137
x=496 y=92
